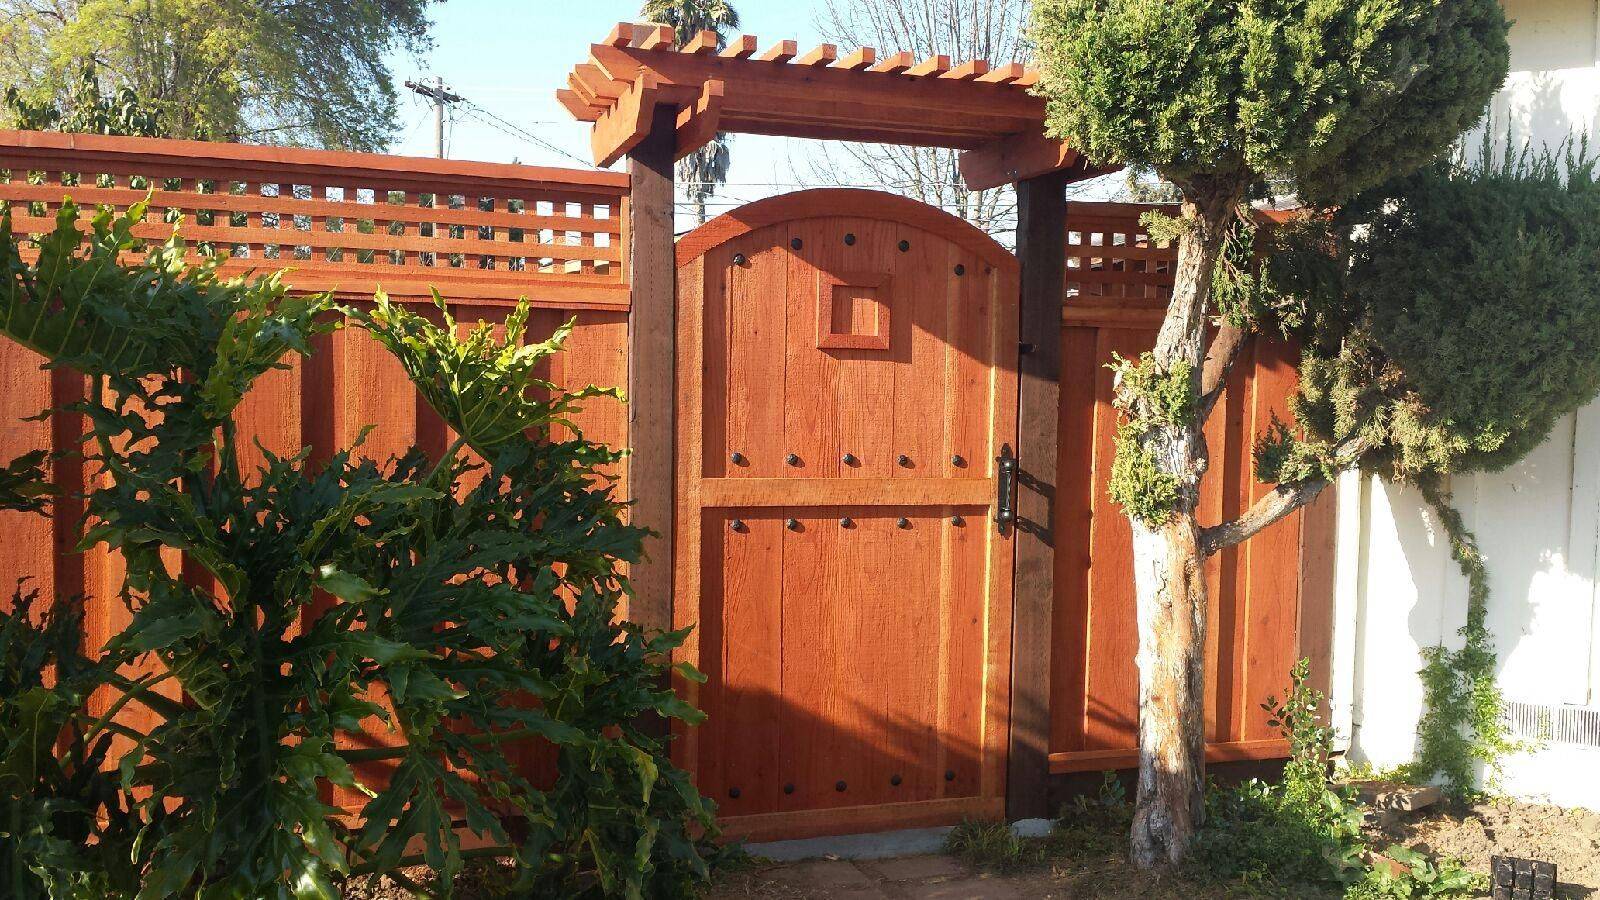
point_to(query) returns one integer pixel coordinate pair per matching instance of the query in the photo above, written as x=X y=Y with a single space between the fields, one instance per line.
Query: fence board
x=1117 y=287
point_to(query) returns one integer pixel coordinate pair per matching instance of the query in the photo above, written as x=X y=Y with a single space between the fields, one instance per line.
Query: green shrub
x=1301 y=831
x=464 y=603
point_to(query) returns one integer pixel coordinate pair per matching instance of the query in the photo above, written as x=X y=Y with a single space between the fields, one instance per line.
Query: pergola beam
x=983 y=109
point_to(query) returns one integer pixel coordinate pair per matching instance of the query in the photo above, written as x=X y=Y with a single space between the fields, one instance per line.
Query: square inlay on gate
x=853 y=311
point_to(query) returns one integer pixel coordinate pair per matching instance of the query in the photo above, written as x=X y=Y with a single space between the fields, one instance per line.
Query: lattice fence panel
x=344 y=221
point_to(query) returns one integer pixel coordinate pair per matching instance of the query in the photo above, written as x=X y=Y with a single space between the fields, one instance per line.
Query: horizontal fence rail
x=347 y=222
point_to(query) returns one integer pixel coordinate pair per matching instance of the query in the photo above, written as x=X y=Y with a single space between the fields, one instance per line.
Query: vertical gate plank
x=1041 y=250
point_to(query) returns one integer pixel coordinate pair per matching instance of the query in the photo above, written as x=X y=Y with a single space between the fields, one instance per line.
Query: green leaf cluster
x=1304 y=831
x=464 y=607
x=1334 y=95
x=1453 y=314
x=307 y=72
x=1150 y=400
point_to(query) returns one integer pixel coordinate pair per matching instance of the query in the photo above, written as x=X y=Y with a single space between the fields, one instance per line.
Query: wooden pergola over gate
x=654 y=102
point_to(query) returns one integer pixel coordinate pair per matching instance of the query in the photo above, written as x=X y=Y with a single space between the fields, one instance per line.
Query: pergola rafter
x=983 y=109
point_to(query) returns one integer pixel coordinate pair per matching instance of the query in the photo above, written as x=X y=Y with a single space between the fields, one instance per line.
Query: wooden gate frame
x=655 y=102
x=991 y=801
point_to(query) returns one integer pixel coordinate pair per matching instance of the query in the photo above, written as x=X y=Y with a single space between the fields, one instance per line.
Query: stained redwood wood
x=1074 y=515
x=651 y=406
x=854 y=708
x=348 y=381
x=26 y=550
x=1041 y=247
x=1112 y=760
x=1258 y=592
x=345 y=222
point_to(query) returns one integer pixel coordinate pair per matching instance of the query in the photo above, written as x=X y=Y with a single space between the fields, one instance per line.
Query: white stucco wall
x=1537 y=523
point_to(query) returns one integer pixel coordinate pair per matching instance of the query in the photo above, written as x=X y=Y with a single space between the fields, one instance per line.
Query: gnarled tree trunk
x=1168 y=563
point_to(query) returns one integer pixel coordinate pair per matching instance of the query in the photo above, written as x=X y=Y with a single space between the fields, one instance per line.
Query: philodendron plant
x=468 y=603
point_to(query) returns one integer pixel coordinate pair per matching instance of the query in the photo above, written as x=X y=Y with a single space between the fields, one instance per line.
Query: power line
x=485 y=117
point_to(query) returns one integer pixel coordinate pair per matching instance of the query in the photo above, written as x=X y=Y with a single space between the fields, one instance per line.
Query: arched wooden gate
x=846 y=380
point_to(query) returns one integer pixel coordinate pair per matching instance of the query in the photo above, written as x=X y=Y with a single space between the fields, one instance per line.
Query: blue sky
x=509 y=56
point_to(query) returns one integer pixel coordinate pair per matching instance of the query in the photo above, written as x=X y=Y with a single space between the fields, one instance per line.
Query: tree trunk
x=1168 y=570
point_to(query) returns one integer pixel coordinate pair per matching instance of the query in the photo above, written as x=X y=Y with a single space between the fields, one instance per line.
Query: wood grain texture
x=849 y=588
x=345 y=222
x=1041 y=249
x=651 y=338
x=1261 y=604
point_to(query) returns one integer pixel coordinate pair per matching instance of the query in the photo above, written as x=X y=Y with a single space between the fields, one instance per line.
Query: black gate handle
x=1005 y=509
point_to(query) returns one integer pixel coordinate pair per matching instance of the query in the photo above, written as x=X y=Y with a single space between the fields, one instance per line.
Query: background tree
x=701 y=172
x=306 y=72
x=991 y=30
x=86 y=109
x=1218 y=96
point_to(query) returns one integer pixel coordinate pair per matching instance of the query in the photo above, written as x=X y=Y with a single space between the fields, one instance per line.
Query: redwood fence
x=486 y=234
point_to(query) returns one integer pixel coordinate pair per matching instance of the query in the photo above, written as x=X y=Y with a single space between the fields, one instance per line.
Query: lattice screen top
x=349 y=222
x=860 y=96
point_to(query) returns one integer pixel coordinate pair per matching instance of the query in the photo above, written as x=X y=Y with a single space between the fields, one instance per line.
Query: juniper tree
x=1220 y=97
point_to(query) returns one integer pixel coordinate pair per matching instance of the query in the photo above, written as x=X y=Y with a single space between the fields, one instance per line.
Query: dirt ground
x=1569 y=838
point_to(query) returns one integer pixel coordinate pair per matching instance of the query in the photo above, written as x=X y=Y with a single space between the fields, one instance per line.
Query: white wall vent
x=1575 y=726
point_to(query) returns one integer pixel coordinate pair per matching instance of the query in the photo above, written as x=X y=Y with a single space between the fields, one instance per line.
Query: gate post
x=652 y=330
x=1041 y=250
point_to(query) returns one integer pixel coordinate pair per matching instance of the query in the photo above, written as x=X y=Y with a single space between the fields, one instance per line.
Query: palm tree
x=706 y=168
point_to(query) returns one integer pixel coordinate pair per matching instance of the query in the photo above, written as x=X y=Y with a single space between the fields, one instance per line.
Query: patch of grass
x=994 y=847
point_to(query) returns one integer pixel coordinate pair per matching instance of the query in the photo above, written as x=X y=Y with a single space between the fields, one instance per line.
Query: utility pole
x=437 y=93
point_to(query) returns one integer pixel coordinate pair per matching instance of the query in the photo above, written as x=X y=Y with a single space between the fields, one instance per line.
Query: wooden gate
x=846 y=380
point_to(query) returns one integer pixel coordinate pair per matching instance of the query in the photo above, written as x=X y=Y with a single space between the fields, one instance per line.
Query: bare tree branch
x=1279 y=502
x=1219 y=361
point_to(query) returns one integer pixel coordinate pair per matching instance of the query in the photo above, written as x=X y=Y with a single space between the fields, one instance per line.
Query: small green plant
x=1271 y=837
x=1418 y=877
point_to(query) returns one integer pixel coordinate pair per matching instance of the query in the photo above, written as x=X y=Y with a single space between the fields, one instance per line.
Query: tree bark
x=1168 y=562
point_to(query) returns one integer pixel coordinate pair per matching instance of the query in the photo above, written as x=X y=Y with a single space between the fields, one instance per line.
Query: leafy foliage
x=1335 y=96
x=1400 y=289
x=85 y=109
x=297 y=71
x=54 y=792
x=1272 y=837
x=1148 y=399
x=466 y=604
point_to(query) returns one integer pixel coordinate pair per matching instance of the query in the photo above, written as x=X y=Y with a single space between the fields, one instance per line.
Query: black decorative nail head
x=903 y=522
x=849 y=239
x=738 y=259
x=734 y=793
x=736 y=525
x=904 y=461
x=792 y=459
x=960 y=269
x=792 y=524
x=904 y=246
x=840 y=786
x=846 y=522
x=737 y=458
x=796 y=243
